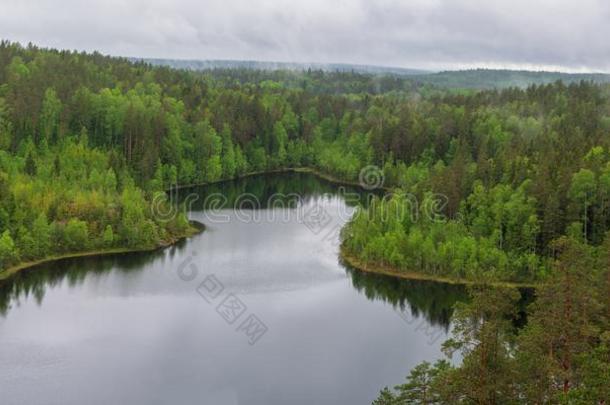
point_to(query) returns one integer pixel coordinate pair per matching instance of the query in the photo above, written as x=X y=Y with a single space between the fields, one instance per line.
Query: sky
x=565 y=35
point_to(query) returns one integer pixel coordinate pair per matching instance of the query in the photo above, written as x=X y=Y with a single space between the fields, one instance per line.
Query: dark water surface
x=277 y=320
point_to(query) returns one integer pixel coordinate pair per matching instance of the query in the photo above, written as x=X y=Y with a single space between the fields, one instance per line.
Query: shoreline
x=310 y=170
x=195 y=229
x=391 y=271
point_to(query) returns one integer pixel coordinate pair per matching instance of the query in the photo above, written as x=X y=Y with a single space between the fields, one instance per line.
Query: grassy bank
x=388 y=270
x=194 y=229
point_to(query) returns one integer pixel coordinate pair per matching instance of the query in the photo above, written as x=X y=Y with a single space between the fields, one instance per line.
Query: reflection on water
x=432 y=300
x=73 y=328
x=270 y=191
x=35 y=281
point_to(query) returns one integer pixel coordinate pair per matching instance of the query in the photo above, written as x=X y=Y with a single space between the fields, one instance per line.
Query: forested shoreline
x=518 y=179
x=87 y=142
x=560 y=355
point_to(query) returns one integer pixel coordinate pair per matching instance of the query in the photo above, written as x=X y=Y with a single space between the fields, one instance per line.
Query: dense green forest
x=86 y=140
x=561 y=355
x=519 y=180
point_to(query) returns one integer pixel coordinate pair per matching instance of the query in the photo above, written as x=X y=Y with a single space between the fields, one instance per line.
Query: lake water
x=257 y=309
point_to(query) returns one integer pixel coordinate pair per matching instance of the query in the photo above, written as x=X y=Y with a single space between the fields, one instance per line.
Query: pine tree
x=563 y=325
x=30 y=165
x=482 y=332
x=422 y=384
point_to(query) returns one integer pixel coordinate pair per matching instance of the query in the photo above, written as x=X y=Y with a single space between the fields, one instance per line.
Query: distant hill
x=491 y=78
x=455 y=79
x=256 y=65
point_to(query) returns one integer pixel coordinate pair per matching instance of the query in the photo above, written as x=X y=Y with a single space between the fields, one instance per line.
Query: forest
x=88 y=142
x=402 y=78
x=560 y=355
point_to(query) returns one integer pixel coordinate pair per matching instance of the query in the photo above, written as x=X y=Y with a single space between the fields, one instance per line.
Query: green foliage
x=581 y=191
x=481 y=329
x=41 y=230
x=593 y=374
x=134 y=221
x=494 y=238
x=8 y=251
x=73 y=203
x=386 y=397
x=76 y=235
x=50 y=115
x=560 y=356
x=30 y=165
x=26 y=244
x=5 y=126
x=108 y=236
x=97 y=126
x=487 y=184
x=229 y=159
x=564 y=324
x=278 y=144
x=420 y=387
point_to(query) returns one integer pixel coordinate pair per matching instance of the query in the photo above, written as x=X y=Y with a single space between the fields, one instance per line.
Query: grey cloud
x=433 y=34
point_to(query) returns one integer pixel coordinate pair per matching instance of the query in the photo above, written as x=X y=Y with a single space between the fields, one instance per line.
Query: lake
x=257 y=309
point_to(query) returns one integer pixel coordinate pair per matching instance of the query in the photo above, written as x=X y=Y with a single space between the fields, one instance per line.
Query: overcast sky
x=434 y=34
